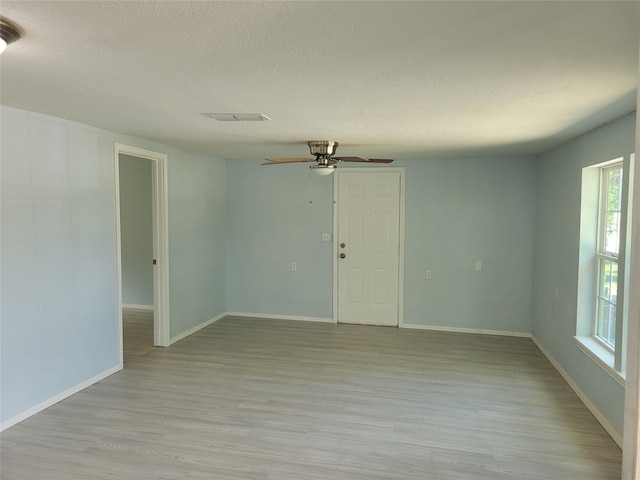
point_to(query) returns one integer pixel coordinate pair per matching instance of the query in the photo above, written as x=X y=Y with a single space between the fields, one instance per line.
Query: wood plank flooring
x=137 y=335
x=284 y=400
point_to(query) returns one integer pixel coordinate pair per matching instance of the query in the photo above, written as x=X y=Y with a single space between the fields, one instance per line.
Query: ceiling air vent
x=238 y=117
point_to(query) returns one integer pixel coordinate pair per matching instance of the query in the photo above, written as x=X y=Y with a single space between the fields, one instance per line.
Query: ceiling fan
x=325 y=161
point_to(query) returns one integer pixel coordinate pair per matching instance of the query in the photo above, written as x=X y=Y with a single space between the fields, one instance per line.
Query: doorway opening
x=147 y=285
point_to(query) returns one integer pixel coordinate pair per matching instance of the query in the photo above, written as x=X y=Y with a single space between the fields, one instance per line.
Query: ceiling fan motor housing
x=323 y=148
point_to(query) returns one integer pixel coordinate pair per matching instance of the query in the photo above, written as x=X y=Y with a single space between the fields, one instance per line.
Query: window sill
x=601 y=356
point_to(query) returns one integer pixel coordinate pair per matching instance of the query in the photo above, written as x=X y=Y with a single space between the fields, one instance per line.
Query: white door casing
x=369 y=234
x=160 y=205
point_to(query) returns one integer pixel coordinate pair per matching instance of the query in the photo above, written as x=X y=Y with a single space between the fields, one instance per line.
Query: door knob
x=342 y=255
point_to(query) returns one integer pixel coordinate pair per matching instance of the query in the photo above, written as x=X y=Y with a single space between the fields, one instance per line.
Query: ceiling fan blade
x=276 y=161
x=360 y=159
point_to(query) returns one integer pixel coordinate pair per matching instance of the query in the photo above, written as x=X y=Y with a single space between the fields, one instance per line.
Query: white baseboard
x=61 y=396
x=280 y=317
x=132 y=306
x=617 y=437
x=182 y=335
x=477 y=331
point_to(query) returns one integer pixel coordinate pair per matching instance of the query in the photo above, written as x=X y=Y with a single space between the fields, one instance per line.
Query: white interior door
x=368 y=247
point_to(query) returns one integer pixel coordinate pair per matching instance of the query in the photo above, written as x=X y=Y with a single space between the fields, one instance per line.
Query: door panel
x=369 y=227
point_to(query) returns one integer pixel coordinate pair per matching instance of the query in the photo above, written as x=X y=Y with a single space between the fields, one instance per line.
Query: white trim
x=401 y=226
x=334 y=253
x=631 y=447
x=57 y=398
x=116 y=183
x=602 y=357
x=160 y=188
x=617 y=437
x=269 y=316
x=133 y=306
x=182 y=335
x=162 y=325
x=401 y=252
x=477 y=331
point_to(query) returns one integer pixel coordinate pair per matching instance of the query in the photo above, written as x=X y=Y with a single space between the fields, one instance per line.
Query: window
x=609 y=221
x=603 y=264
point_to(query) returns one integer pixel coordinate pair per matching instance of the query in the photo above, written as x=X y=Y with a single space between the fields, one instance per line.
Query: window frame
x=611 y=361
x=602 y=255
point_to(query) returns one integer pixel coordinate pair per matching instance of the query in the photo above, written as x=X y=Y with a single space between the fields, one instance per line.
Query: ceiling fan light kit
x=322 y=169
x=325 y=161
x=9 y=33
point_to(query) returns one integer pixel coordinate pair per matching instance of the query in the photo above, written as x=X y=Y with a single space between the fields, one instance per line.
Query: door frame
x=336 y=176
x=160 y=227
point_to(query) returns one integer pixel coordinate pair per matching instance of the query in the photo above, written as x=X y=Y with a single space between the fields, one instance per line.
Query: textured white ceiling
x=385 y=79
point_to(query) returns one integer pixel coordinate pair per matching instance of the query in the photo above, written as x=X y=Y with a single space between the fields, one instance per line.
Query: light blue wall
x=59 y=318
x=197 y=239
x=457 y=211
x=136 y=230
x=58 y=252
x=556 y=252
x=275 y=216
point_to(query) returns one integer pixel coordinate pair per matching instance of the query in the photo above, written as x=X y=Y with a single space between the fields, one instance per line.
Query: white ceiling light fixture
x=9 y=33
x=323 y=170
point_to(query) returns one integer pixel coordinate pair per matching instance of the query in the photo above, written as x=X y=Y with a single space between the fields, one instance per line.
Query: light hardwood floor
x=137 y=335
x=268 y=399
